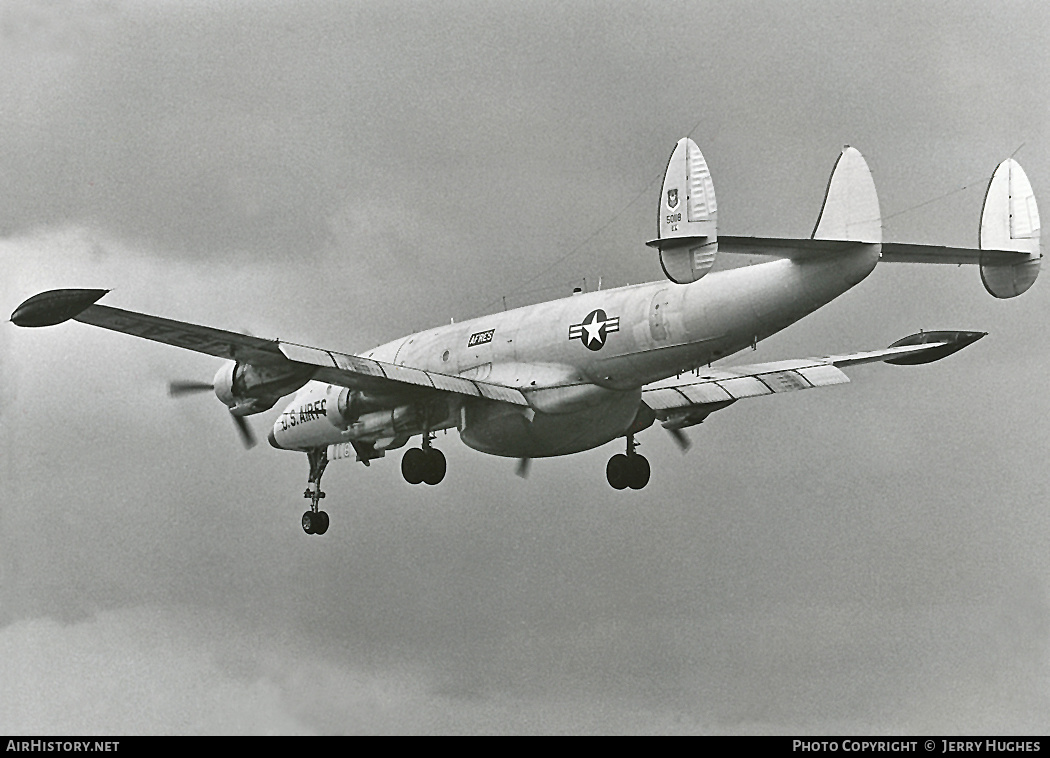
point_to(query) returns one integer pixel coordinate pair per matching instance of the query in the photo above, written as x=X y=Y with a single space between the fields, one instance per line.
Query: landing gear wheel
x=638 y=471
x=618 y=471
x=436 y=466
x=320 y=522
x=310 y=522
x=414 y=465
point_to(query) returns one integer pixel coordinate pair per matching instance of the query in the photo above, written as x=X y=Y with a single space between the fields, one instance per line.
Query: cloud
x=184 y=670
x=143 y=671
x=199 y=670
x=868 y=559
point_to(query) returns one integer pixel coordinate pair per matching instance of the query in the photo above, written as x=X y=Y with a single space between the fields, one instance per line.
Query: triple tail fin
x=850 y=214
x=851 y=205
x=1010 y=222
x=1008 y=254
x=687 y=216
x=1008 y=251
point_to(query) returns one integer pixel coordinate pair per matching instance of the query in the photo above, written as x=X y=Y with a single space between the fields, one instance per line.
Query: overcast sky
x=866 y=558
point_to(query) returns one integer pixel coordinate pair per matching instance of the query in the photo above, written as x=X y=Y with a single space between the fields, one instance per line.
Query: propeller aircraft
x=569 y=375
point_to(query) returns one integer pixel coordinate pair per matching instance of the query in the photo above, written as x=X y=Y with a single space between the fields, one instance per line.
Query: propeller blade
x=247 y=435
x=681 y=439
x=523 y=467
x=178 y=389
x=181 y=388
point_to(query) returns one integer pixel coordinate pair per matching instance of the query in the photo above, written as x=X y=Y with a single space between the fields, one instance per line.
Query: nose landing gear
x=315 y=521
x=630 y=470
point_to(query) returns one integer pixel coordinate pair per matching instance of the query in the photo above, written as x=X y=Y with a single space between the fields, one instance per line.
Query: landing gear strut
x=630 y=470
x=425 y=464
x=315 y=521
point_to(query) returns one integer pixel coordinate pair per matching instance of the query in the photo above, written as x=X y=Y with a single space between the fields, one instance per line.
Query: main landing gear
x=315 y=521
x=425 y=464
x=630 y=470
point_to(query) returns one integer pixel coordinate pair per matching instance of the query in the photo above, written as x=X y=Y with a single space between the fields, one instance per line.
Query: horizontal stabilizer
x=1009 y=252
x=903 y=252
x=892 y=252
x=784 y=247
x=849 y=218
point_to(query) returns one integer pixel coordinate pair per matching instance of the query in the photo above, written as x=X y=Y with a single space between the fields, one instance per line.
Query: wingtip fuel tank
x=55 y=306
x=952 y=342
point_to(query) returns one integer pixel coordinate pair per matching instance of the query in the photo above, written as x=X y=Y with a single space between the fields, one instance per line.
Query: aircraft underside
x=489 y=427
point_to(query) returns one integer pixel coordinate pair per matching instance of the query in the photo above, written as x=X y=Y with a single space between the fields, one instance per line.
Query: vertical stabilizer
x=851 y=205
x=687 y=216
x=1010 y=221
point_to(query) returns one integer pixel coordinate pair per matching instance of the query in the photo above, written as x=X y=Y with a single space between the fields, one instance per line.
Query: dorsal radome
x=687 y=227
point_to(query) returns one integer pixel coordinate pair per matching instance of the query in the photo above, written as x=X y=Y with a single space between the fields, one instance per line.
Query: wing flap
x=741 y=382
x=744 y=386
x=455 y=384
x=823 y=376
x=703 y=393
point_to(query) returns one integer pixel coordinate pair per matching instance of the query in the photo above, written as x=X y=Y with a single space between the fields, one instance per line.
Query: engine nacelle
x=326 y=414
x=246 y=389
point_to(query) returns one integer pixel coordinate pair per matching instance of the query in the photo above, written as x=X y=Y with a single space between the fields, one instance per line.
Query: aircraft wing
x=349 y=370
x=688 y=399
x=56 y=306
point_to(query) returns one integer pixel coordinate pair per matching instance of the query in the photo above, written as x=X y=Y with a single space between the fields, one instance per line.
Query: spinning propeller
x=182 y=388
x=681 y=439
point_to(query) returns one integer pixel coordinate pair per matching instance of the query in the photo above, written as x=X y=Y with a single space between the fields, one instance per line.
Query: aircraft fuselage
x=582 y=360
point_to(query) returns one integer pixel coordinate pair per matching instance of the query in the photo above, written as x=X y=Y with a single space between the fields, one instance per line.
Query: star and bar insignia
x=594 y=329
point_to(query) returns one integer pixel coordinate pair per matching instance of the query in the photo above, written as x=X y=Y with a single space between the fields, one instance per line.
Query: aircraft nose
x=273 y=440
